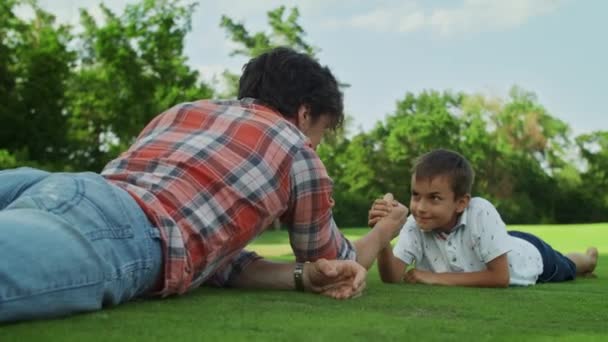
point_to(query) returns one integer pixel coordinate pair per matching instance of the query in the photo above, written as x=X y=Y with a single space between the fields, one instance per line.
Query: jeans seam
x=63 y=207
x=115 y=198
x=49 y=290
x=552 y=275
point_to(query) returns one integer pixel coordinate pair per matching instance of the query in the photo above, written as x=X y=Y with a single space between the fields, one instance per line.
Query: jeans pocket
x=86 y=201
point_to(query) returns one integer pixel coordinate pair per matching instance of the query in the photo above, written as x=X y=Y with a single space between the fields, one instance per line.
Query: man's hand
x=387 y=207
x=340 y=279
x=380 y=208
x=394 y=218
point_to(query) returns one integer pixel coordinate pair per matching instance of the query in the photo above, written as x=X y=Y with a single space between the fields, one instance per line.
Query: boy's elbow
x=390 y=279
x=503 y=281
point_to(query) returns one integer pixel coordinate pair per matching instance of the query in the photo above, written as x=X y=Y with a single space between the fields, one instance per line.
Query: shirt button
x=449 y=243
x=453 y=259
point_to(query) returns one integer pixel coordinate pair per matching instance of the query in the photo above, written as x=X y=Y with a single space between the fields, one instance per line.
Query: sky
x=384 y=49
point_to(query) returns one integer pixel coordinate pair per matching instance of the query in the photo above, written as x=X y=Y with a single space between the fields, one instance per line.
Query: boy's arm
x=390 y=267
x=496 y=275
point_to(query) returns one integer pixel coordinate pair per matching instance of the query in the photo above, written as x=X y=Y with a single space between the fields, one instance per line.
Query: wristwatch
x=298 y=276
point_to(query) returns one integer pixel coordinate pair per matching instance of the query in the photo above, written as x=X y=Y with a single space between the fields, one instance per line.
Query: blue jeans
x=556 y=267
x=71 y=242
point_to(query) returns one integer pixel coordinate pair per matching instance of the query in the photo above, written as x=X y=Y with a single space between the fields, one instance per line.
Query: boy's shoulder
x=480 y=203
x=480 y=208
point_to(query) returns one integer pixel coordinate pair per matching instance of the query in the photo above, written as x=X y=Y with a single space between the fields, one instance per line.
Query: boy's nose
x=421 y=207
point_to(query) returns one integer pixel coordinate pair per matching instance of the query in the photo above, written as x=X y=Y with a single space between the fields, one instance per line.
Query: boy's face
x=433 y=204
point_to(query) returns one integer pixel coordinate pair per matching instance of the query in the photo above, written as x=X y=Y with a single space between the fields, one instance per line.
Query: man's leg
x=73 y=243
x=14 y=181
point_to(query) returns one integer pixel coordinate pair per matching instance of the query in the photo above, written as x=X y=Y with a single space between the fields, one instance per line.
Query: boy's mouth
x=423 y=222
x=423 y=219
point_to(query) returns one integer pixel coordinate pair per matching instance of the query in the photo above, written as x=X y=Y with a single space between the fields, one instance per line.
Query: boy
x=457 y=240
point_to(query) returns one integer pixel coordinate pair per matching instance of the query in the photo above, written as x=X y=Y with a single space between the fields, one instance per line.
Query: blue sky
x=384 y=49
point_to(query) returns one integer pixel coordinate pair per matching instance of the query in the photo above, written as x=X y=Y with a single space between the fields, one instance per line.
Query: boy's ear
x=462 y=203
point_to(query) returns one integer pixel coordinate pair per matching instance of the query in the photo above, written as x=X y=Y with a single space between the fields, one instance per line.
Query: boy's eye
x=436 y=198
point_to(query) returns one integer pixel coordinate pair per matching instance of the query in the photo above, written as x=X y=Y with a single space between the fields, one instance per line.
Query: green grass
x=575 y=310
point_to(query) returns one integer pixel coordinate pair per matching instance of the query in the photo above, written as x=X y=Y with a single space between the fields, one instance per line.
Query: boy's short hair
x=443 y=162
x=285 y=79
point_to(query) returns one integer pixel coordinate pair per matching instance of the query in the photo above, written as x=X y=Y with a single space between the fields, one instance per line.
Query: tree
x=594 y=150
x=35 y=65
x=284 y=31
x=131 y=68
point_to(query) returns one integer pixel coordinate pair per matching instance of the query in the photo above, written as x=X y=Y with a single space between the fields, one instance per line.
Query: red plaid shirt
x=212 y=175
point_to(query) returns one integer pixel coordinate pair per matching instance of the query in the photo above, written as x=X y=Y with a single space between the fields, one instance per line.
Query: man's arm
x=386 y=218
x=340 y=279
x=313 y=233
x=496 y=275
x=376 y=240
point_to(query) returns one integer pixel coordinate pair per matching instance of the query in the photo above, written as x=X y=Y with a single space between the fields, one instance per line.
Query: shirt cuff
x=225 y=275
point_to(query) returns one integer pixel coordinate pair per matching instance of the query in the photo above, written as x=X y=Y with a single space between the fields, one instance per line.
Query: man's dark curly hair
x=285 y=79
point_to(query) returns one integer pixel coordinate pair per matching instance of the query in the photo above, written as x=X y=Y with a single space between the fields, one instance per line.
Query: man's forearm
x=264 y=274
x=372 y=243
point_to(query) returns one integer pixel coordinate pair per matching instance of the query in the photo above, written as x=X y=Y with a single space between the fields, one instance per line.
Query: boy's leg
x=585 y=262
x=556 y=267
x=73 y=243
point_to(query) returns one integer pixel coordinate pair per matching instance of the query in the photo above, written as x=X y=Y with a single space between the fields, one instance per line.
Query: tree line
x=73 y=98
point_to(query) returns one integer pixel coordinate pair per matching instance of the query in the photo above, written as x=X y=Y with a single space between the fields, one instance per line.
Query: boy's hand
x=380 y=208
x=414 y=276
x=386 y=207
x=392 y=222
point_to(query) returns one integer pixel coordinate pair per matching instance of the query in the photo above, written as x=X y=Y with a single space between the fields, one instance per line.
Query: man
x=177 y=208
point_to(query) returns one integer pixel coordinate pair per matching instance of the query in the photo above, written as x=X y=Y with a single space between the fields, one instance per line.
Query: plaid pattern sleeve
x=223 y=276
x=313 y=234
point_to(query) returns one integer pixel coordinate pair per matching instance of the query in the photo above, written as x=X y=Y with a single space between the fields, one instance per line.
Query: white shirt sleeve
x=409 y=245
x=489 y=232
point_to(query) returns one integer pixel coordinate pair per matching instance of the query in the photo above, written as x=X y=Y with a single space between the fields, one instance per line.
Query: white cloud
x=242 y=9
x=402 y=18
x=470 y=16
x=485 y=15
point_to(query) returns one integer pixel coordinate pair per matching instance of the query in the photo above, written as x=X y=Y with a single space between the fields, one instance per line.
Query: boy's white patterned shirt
x=479 y=237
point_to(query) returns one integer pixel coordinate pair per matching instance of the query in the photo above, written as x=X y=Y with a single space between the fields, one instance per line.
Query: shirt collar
x=461 y=222
x=257 y=104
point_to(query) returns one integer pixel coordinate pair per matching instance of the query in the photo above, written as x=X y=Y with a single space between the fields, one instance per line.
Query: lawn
x=568 y=311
